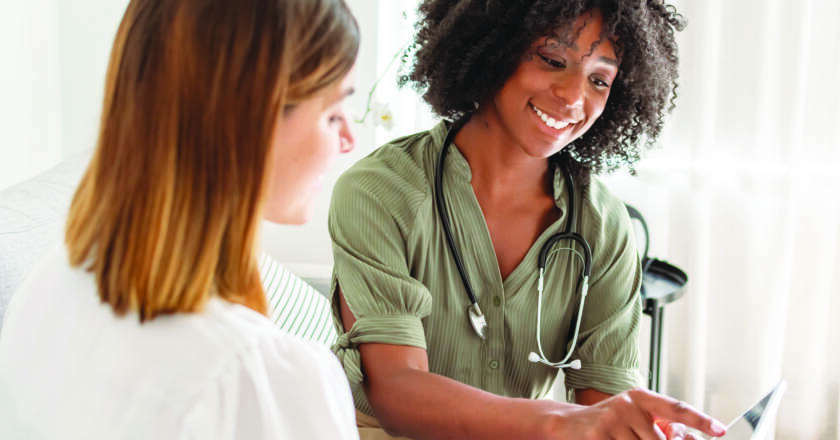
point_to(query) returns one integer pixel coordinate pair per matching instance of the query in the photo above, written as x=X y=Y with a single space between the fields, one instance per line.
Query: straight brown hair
x=167 y=213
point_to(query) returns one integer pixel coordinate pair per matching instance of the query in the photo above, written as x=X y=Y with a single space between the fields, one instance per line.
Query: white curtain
x=742 y=194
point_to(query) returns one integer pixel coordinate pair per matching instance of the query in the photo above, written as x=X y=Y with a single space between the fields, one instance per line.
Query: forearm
x=590 y=396
x=421 y=405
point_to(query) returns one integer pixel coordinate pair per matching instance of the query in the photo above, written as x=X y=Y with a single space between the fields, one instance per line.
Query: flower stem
x=376 y=83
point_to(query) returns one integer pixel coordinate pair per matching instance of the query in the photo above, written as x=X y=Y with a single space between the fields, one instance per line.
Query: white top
x=71 y=369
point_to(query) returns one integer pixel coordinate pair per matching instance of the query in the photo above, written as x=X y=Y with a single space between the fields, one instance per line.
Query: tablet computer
x=756 y=422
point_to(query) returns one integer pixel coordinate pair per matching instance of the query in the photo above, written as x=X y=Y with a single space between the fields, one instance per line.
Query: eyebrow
x=573 y=46
x=608 y=60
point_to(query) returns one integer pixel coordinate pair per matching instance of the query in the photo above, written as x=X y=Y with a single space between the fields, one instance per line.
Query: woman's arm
x=590 y=397
x=409 y=401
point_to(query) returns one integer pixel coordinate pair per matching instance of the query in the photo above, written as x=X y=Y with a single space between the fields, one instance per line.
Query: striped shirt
x=401 y=283
x=294 y=305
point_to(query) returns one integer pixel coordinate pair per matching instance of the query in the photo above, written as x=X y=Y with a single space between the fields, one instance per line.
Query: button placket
x=494 y=360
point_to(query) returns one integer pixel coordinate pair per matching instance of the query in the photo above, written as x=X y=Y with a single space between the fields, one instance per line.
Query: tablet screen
x=757 y=421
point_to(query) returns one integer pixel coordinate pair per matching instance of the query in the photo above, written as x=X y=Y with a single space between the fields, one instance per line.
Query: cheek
x=323 y=142
x=318 y=150
x=330 y=135
x=597 y=104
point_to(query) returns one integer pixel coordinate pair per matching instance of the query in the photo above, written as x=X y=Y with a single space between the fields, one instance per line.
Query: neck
x=498 y=165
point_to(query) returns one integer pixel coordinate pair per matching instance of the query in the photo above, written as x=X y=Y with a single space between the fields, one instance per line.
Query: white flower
x=382 y=115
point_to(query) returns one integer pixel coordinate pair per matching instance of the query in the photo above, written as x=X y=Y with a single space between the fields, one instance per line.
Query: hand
x=676 y=431
x=635 y=414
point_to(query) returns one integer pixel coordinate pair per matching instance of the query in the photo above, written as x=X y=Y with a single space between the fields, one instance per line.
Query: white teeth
x=551 y=122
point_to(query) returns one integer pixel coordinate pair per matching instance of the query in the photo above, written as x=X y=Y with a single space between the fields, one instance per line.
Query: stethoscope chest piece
x=479 y=324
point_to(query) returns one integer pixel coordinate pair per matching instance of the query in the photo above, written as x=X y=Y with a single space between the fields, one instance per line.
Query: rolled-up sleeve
x=368 y=221
x=608 y=344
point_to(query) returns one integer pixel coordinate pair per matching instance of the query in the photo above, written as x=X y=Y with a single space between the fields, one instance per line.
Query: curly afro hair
x=465 y=50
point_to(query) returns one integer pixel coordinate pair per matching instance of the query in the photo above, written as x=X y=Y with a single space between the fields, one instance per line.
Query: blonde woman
x=152 y=323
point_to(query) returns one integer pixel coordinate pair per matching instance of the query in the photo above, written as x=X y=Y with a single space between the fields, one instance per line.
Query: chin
x=542 y=148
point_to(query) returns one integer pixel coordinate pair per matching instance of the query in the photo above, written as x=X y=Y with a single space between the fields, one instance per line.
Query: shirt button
x=494 y=364
x=497 y=301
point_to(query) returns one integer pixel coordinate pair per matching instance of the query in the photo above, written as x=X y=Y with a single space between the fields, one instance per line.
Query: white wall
x=30 y=122
x=86 y=34
x=55 y=54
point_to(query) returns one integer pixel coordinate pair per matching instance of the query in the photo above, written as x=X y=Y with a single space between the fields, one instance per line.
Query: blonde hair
x=167 y=213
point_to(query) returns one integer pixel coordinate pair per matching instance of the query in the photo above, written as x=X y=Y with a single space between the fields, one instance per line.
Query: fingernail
x=718 y=428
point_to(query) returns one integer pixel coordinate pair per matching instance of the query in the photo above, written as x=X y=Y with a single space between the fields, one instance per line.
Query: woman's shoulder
x=51 y=285
x=246 y=331
x=277 y=383
x=404 y=161
x=265 y=379
x=398 y=174
x=603 y=207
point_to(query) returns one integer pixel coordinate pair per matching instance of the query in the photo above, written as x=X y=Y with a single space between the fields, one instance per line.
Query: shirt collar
x=457 y=163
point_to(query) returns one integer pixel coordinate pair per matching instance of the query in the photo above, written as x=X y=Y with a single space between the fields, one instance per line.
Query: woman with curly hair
x=540 y=94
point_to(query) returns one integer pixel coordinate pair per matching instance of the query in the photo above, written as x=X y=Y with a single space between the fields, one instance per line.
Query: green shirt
x=401 y=283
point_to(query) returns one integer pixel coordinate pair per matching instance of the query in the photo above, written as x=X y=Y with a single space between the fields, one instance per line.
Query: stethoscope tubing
x=442 y=211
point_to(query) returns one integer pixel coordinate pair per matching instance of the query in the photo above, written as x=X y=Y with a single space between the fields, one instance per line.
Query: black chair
x=662 y=284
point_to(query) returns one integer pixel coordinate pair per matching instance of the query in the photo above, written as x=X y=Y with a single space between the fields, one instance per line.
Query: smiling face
x=558 y=91
x=305 y=142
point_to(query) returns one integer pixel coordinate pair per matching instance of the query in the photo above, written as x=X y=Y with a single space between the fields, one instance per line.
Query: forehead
x=585 y=34
x=588 y=25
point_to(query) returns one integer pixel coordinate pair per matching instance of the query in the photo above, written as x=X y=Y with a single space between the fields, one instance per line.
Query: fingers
x=659 y=434
x=643 y=427
x=627 y=420
x=673 y=431
x=671 y=410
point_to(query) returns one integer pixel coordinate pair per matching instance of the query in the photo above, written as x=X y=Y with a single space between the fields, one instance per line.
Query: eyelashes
x=561 y=64
x=552 y=62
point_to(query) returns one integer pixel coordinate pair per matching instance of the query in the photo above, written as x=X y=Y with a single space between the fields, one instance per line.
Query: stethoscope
x=476 y=317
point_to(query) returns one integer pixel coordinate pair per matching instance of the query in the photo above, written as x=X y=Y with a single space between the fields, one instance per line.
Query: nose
x=346 y=139
x=570 y=90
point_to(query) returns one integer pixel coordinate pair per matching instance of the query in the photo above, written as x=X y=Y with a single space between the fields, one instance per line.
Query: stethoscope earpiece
x=535 y=358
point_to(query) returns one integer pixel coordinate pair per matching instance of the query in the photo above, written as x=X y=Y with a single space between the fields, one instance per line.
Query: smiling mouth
x=549 y=121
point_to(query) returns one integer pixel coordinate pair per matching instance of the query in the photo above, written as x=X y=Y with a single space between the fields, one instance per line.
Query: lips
x=551 y=122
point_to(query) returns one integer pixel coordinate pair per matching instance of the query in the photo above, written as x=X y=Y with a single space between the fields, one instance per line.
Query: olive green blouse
x=401 y=283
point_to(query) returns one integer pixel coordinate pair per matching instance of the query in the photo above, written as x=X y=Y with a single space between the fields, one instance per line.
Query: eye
x=558 y=64
x=601 y=84
x=336 y=119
